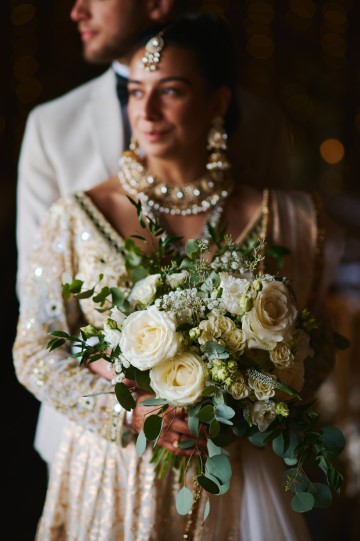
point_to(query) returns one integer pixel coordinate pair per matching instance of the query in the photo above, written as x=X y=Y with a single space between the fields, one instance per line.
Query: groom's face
x=109 y=27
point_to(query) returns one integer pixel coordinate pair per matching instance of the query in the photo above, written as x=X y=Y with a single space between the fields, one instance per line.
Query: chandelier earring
x=217 y=145
x=134 y=148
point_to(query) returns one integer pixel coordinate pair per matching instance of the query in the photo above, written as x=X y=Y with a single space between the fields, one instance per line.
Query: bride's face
x=170 y=109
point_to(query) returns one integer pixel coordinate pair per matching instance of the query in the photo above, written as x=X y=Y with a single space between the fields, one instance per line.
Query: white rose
x=262 y=387
x=294 y=375
x=238 y=389
x=233 y=293
x=180 y=380
x=112 y=336
x=235 y=341
x=176 y=279
x=263 y=414
x=118 y=316
x=144 y=291
x=149 y=337
x=281 y=355
x=271 y=320
x=216 y=326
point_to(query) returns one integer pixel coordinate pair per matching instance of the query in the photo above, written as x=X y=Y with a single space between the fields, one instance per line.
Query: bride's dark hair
x=209 y=38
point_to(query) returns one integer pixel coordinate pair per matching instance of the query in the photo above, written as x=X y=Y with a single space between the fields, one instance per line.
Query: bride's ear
x=159 y=10
x=222 y=101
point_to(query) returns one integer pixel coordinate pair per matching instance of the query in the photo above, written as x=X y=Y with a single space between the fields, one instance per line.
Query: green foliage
x=184 y=501
x=124 y=396
x=277 y=253
x=152 y=427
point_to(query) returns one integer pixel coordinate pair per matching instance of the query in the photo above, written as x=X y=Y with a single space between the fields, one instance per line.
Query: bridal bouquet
x=209 y=333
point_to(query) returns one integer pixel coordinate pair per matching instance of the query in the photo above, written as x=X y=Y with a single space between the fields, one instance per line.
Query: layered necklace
x=207 y=193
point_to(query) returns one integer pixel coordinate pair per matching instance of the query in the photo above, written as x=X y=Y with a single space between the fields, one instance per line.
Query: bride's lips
x=155 y=135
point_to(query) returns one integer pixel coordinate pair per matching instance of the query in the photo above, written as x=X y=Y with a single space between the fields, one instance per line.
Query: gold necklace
x=203 y=194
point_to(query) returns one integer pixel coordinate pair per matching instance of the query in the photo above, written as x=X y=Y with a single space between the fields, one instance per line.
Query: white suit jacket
x=70 y=143
x=74 y=142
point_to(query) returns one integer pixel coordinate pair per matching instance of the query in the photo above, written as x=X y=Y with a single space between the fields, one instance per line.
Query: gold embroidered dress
x=98 y=489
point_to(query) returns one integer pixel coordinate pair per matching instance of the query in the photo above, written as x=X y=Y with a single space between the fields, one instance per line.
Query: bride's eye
x=135 y=92
x=171 y=91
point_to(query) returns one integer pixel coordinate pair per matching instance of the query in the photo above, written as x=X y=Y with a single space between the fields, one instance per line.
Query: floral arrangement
x=207 y=332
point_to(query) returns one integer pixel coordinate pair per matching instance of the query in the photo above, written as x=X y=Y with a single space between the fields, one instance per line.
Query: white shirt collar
x=120 y=69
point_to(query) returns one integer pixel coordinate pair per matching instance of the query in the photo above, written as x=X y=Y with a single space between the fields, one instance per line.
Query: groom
x=74 y=142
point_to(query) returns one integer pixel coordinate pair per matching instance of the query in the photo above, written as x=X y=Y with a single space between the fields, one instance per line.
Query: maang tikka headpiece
x=153 y=49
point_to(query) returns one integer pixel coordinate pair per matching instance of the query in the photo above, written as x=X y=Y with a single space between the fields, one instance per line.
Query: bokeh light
x=22 y=14
x=332 y=151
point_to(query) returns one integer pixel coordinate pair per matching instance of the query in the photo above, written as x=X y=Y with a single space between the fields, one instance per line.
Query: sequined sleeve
x=56 y=378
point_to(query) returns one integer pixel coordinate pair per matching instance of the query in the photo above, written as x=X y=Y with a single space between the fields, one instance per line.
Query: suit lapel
x=106 y=122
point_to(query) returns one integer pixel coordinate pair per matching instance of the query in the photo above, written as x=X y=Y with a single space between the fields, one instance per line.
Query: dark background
x=300 y=54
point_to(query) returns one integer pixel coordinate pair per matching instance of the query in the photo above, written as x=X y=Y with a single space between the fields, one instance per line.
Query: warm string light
x=258 y=26
x=298 y=55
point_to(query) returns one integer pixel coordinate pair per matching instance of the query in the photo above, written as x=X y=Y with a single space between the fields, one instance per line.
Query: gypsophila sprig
x=204 y=330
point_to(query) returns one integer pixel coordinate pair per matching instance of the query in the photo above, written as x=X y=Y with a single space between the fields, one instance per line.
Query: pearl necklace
x=205 y=193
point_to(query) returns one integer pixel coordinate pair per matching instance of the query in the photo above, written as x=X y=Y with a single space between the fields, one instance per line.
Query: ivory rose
x=180 y=380
x=281 y=355
x=271 y=319
x=144 y=291
x=234 y=293
x=149 y=337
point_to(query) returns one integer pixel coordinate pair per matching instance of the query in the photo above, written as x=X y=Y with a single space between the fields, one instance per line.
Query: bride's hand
x=175 y=428
x=102 y=368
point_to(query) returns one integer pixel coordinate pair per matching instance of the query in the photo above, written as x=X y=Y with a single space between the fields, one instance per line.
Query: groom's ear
x=160 y=10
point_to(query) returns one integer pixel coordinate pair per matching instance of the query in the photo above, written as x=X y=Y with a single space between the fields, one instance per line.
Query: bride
x=181 y=110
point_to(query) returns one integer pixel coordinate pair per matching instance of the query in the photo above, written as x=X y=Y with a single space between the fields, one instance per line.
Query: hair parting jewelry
x=153 y=49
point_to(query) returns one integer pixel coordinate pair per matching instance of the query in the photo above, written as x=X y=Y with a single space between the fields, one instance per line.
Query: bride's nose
x=152 y=106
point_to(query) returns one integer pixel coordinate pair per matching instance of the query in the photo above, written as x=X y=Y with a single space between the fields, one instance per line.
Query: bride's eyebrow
x=163 y=80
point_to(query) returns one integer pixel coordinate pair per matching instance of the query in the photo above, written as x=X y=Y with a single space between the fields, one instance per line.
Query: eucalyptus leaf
x=212 y=448
x=142 y=378
x=152 y=427
x=286 y=451
x=224 y=438
x=193 y=424
x=322 y=495
x=213 y=350
x=186 y=444
x=184 y=501
x=124 y=396
x=224 y=411
x=140 y=445
x=208 y=484
x=214 y=429
x=224 y=488
x=333 y=438
x=219 y=466
x=302 y=502
x=206 y=509
x=153 y=402
x=258 y=438
x=295 y=480
x=206 y=414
